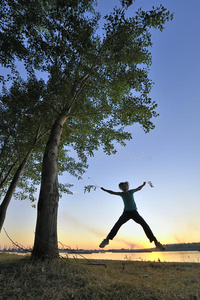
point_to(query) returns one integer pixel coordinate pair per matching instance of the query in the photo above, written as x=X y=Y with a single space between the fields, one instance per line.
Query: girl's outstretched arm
x=110 y=192
x=139 y=187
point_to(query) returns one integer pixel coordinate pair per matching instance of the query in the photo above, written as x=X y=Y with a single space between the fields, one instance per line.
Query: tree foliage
x=103 y=78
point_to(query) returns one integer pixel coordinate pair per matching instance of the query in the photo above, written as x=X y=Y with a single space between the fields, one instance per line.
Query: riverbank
x=20 y=278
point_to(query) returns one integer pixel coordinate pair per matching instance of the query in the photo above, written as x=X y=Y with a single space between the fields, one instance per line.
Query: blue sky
x=168 y=156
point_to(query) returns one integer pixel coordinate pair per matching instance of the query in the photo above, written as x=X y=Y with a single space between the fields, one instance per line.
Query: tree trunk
x=46 y=243
x=11 y=189
x=7 y=175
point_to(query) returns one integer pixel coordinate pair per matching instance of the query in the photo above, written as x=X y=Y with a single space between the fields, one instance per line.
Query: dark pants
x=126 y=216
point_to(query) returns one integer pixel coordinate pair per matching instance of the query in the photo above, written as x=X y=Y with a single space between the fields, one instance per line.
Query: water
x=164 y=256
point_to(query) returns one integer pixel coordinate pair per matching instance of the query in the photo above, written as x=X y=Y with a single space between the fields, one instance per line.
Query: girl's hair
x=122 y=183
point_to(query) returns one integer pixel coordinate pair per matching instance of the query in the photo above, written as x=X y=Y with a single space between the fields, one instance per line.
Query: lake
x=164 y=256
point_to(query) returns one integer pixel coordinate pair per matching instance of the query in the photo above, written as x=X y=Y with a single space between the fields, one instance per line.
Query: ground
x=21 y=278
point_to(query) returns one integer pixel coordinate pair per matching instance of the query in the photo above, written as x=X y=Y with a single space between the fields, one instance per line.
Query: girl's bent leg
x=138 y=219
x=123 y=219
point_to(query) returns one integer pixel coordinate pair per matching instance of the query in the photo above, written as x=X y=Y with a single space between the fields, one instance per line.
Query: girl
x=130 y=212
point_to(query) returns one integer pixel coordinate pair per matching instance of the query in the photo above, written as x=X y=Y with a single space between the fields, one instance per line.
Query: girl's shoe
x=159 y=246
x=104 y=243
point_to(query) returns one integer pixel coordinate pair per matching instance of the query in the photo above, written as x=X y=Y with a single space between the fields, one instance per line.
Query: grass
x=21 y=278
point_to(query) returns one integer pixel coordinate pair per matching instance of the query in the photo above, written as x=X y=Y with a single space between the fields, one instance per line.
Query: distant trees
x=97 y=85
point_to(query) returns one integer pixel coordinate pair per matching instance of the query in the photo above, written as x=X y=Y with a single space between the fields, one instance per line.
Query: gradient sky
x=168 y=156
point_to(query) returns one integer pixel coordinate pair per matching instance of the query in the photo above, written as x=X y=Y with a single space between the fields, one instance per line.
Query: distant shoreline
x=168 y=248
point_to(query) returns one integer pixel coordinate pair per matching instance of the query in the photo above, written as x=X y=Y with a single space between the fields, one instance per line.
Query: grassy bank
x=20 y=278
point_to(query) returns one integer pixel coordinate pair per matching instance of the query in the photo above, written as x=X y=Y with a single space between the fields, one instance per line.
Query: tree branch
x=15 y=244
